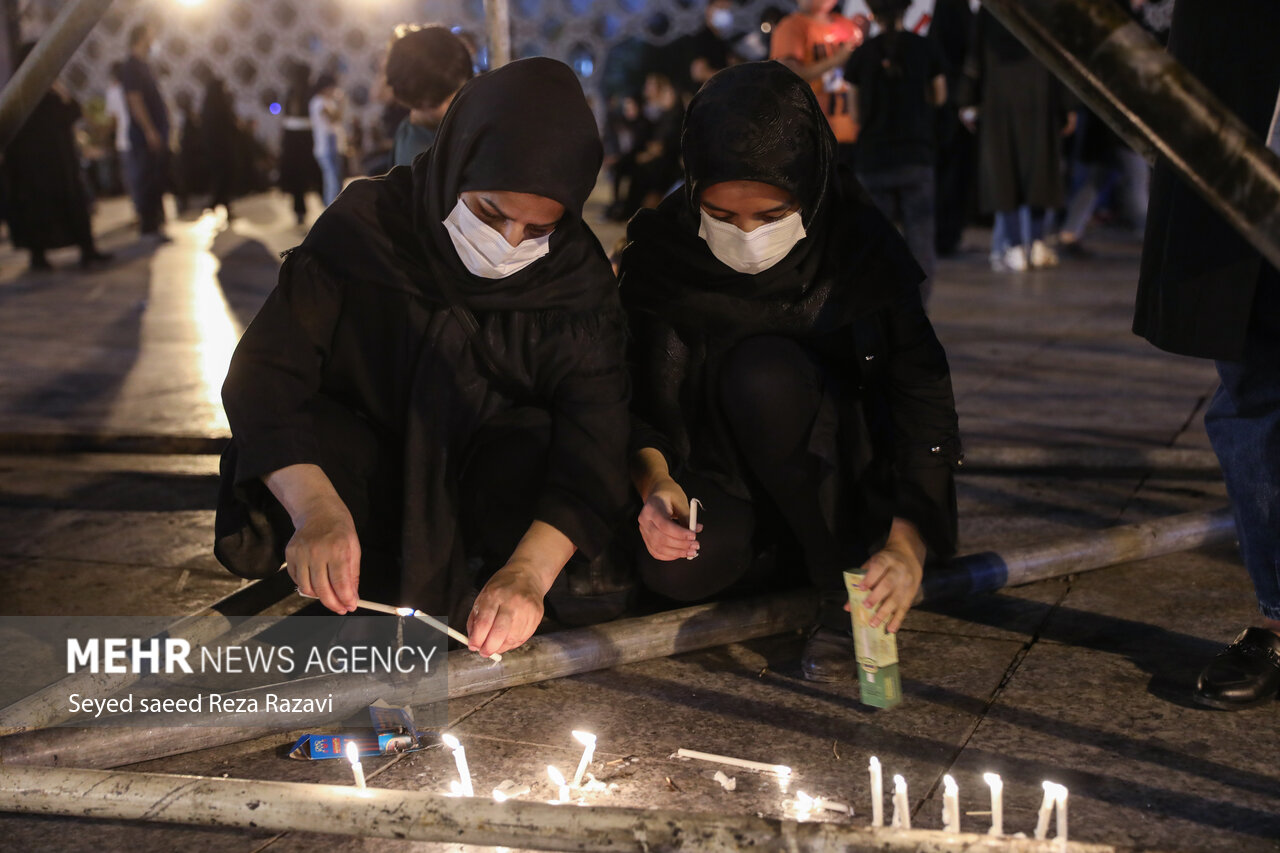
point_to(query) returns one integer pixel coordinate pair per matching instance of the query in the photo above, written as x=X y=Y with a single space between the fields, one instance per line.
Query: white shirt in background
x=118 y=108
x=324 y=129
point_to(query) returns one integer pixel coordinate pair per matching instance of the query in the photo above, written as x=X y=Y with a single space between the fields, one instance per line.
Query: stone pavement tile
x=108 y=482
x=1101 y=704
x=154 y=595
x=1002 y=512
x=179 y=539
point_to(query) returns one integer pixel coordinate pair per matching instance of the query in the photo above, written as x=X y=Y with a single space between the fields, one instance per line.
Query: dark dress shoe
x=1244 y=674
x=87 y=259
x=828 y=656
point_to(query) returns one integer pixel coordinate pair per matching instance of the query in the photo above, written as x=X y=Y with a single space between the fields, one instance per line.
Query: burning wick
x=557 y=778
x=460 y=758
x=588 y=740
x=997 y=802
x=415 y=614
x=950 y=804
x=901 y=811
x=357 y=770
x=877 y=792
x=1046 y=809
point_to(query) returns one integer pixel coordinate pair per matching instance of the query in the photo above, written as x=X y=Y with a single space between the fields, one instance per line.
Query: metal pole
x=1103 y=461
x=34 y=77
x=613 y=644
x=267 y=601
x=989 y=571
x=497 y=16
x=1155 y=104
x=418 y=816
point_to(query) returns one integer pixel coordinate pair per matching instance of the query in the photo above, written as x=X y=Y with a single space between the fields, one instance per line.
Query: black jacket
x=1199 y=277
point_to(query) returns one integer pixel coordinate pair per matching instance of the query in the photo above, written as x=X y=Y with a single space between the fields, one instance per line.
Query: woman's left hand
x=507 y=611
x=893 y=576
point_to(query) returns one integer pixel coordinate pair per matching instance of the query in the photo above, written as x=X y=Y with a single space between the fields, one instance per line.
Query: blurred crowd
x=946 y=119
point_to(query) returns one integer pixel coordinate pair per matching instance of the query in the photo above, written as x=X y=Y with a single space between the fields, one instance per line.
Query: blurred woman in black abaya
x=785 y=372
x=438 y=378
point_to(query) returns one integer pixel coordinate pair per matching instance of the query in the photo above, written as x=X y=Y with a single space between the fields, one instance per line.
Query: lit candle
x=1060 y=795
x=509 y=790
x=950 y=804
x=804 y=805
x=460 y=758
x=1046 y=809
x=557 y=778
x=877 y=792
x=997 y=802
x=416 y=614
x=901 y=809
x=588 y=740
x=357 y=770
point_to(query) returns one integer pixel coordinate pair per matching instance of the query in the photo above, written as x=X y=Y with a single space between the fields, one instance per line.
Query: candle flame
x=993 y=779
x=782 y=770
x=899 y=784
x=585 y=738
x=353 y=752
x=557 y=778
x=499 y=796
x=405 y=611
x=450 y=741
x=949 y=784
x=1060 y=793
x=873 y=764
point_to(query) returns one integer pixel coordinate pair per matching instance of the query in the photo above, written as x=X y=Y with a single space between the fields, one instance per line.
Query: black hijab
x=525 y=127
x=760 y=122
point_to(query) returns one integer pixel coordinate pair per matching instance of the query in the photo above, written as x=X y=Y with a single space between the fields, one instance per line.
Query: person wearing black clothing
x=443 y=354
x=692 y=59
x=48 y=204
x=299 y=172
x=1204 y=291
x=785 y=372
x=148 y=159
x=898 y=85
x=655 y=168
x=221 y=139
x=957 y=166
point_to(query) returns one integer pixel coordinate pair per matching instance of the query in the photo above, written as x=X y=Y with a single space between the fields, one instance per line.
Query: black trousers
x=771 y=390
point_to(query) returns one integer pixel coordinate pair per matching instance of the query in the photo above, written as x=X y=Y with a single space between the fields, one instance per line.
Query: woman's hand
x=507 y=611
x=323 y=557
x=664 y=522
x=893 y=576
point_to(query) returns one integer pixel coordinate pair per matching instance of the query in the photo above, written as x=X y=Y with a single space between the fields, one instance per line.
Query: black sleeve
x=277 y=368
x=586 y=491
x=937 y=59
x=922 y=408
x=853 y=67
x=131 y=78
x=657 y=358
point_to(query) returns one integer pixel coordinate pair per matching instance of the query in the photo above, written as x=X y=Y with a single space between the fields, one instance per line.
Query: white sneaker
x=1042 y=255
x=1015 y=259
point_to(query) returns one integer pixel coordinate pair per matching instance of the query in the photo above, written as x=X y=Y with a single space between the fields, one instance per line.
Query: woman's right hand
x=323 y=557
x=664 y=523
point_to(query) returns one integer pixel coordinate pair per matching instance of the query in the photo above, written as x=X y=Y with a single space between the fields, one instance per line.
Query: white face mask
x=755 y=251
x=484 y=251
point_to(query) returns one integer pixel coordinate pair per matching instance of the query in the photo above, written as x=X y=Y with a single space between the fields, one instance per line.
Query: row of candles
x=1055 y=795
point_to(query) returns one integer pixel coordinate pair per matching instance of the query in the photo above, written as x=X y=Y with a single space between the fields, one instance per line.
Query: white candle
x=901 y=808
x=1060 y=796
x=877 y=792
x=588 y=741
x=460 y=758
x=997 y=802
x=509 y=790
x=779 y=769
x=557 y=778
x=357 y=770
x=364 y=604
x=1046 y=809
x=693 y=517
x=950 y=804
x=804 y=805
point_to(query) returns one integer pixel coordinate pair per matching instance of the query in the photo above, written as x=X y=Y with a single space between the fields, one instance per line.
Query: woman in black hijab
x=785 y=372
x=439 y=375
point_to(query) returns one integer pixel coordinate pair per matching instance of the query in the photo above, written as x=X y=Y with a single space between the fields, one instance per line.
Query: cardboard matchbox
x=876 y=650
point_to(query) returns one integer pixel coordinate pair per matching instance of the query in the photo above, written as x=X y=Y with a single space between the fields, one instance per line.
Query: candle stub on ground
x=876 y=649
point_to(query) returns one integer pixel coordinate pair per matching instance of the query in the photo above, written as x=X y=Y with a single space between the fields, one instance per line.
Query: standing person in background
x=118 y=108
x=148 y=161
x=1022 y=119
x=816 y=42
x=897 y=85
x=222 y=143
x=693 y=58
x=656 y=167
x=48 y=205
x=329 y=134
x=426 y=66
x=957 y=164
x=299 y=172
x=1205 y=291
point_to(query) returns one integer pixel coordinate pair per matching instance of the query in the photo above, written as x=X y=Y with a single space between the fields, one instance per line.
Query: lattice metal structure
x=252 y=44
